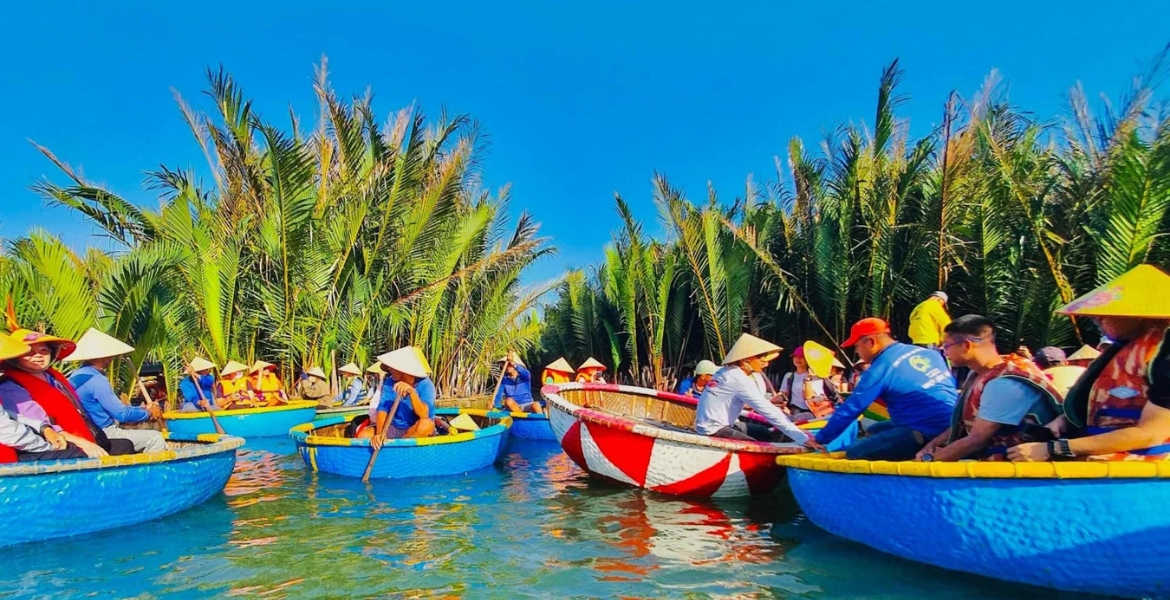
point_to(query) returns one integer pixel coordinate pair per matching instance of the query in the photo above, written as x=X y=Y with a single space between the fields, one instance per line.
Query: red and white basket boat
x=644 y=438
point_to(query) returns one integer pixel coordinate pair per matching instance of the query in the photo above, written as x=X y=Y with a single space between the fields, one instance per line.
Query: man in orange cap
x=916 y=385
x=1122 y=402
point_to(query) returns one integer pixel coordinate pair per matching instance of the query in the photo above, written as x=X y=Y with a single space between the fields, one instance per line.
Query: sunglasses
x=973 y=340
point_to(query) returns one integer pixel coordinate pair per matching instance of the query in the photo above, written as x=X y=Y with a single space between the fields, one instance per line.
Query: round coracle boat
x=324 y=448
x=525 y=426
x=333 y=411
x=1074 y=526
x=55 y=499
x=268 y=421
x=644 y=438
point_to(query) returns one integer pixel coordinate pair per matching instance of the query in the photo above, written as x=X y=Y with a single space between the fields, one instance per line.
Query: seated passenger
x=557 y=372
x=232 y=390
x=1062 y=375
x=27 y=441
x=515 y=393
x=355 y=391
x=265 y=385
x=414 y=414
x=808 y=396
x=916 y=385
x=591 y=371
x=96 y=351
x=1122 y=402
x=312 y=386
x=703 y=373
x=1005 y=401
x=198 y=387
x=733 y=386
x=31 y=389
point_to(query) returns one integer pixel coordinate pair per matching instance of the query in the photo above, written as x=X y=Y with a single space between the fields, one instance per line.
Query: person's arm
x=930 y=446
x=19 y=436
x=522 y=374
x=867 y=390
x=977 y=438
x=755 y=399
x=112 y=404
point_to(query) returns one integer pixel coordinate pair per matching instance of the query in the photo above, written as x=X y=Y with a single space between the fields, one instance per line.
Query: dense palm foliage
x=1010 y=215
x=307 y=247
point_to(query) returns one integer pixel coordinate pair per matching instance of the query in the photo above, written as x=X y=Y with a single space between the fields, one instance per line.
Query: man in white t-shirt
x=734 y=386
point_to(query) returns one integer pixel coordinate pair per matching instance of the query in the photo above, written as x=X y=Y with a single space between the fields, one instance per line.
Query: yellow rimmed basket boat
x=1087 y=526
x=268 y=421
x=55 y=499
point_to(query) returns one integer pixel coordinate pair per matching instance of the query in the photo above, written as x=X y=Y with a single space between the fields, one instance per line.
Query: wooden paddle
x=146 y=399
x=202 y=398
x=381 y=437
x=500 y=383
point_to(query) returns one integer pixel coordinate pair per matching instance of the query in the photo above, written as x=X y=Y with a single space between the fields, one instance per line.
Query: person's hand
x=154 y=410
x=512 y=357
x=403 y=389
x=376 y=442
x=929 y=448
x=205 y=405
x=1058 y=426
x=812 y=443
x=56 y=440
x=90 y=449
x=1024 y=352
x=189 y=370
x=1035 y=452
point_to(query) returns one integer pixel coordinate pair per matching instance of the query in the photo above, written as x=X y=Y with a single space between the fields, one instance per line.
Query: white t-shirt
x=793 y=385
x=724 y=398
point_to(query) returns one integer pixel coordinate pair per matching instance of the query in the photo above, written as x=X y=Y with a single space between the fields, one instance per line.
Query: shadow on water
x=534 y=525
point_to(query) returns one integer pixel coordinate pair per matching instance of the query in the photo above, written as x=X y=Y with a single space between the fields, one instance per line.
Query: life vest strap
x=1120 y=413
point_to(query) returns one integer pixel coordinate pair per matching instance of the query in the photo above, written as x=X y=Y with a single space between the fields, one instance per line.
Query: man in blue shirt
x=916 y=385
x=515 y=391
x=414 y=417
x=96 y=351
x=203 y=396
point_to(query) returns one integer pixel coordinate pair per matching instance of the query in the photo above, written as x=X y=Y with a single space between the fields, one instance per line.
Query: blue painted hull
x=533 y=427
x=59 y=504
x=401 y=459
x=249 y=423
x=1083 y=535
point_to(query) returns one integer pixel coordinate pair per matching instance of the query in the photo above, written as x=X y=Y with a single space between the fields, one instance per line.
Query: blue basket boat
x=525 y=425
x=269 y=421
x=55 y=499
x=323 y=448
x=1077 y=526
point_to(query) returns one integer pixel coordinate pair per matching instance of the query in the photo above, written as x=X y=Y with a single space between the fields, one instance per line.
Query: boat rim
x=231 y=412
x=1093 y=469
x=212 y=443
x=302 y=434
x=552 y=393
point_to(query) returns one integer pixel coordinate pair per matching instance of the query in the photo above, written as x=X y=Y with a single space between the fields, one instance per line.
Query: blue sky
x=580 y=99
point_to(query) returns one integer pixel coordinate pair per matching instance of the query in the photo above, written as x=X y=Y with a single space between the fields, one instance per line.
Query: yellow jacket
x=927 y=321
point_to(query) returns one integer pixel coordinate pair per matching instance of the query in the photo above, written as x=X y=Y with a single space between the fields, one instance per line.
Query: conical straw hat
x=375 y=368
x=820 y=359
x=705 y=367
x=422 y=359
x=1141 y=292
x=837 y=365
x=561 y=365
x=95 y=344
x=1086 y=352
x=10 y=348
x=232 y=367
x=1063 y=377
x=259 y=366
x=591 y=363
x=515 y=362
x=464 y=423
x=28 y=336
x=201 y=364
x=404 y=360
x=748 y=346
x=348 y=369
x=317 y=372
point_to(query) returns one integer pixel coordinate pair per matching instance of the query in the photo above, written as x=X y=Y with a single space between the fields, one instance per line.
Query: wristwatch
x=1059 y=450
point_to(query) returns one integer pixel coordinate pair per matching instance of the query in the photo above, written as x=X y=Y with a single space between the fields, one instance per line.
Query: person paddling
x=515 y=391
x=198 y=387
x=414 y=416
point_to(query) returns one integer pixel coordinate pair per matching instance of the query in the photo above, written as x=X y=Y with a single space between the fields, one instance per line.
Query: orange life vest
x=1118 y=395
x=554 y=377
x=267 y=388
x=1039 y=414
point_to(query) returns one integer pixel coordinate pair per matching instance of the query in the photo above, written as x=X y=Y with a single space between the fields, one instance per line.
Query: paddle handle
x=380 y=436
x=202 y=398
x=500 y=383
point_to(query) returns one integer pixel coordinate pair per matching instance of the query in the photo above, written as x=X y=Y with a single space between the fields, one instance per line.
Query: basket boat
x=323 y=447
x=334 y=411
x=268 y=421
x=643 y=438
x=55 y=499
x=1071 y=526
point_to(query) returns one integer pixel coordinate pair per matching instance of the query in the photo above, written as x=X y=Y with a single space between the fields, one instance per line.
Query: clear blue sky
x=580 y=99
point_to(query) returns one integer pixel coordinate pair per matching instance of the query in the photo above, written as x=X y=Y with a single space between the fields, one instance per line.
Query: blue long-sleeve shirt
x=98 y=399
x=191 y=394
x=916 y=385
x=405 y=416
x=518 y=389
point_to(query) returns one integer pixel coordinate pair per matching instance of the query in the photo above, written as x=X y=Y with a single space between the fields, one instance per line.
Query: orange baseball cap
x=864 y=327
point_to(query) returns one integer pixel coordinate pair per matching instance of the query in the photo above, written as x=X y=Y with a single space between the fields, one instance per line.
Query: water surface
x=533 y=526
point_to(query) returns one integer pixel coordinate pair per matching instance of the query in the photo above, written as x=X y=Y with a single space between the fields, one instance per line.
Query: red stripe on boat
x=629 y=452
x=703 y=483
x=761 y=471
x=571 y=444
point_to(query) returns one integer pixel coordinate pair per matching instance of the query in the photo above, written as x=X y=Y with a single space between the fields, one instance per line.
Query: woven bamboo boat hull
x=47 y=500
x=1080 y=527
x=333 y=411
x=323 y=449
x=641 y=437
x=269 y=421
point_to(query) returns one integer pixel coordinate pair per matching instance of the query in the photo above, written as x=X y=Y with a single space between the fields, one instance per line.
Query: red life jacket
x=1041 y=413
x=56 y=404
x=1120 y=392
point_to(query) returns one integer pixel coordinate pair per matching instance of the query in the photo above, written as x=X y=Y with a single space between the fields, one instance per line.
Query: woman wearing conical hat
x=414 y=416
x=312 y=386
x=355 y=390
x=197 y=388
x=591 y=371
x=25 y=441
x=96 y=351
x=1122 y=402
x=265 y=385
x=732 y=387
x=233 y=390
x=515 y=389
x=558 y=371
